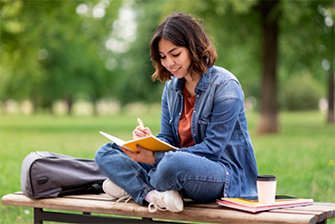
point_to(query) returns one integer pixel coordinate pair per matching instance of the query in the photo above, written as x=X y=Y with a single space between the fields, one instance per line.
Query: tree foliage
x=301 y=94
x=54 y=50
x=70 y=50
x=134 y=82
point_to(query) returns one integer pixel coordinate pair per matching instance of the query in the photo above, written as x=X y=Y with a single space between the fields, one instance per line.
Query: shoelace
x=126 y=198
x=157 y=203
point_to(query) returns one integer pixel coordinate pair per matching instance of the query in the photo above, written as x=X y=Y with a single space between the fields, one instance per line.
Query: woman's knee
x=105 y=153
x=177 y=160
x=101 y=152
x=172 y=164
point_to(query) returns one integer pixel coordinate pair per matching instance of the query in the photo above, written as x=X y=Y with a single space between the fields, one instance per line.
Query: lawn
x=302 y=155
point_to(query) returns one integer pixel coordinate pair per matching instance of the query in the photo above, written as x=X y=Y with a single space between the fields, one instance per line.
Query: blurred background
x=69 y=69
x=93 y=57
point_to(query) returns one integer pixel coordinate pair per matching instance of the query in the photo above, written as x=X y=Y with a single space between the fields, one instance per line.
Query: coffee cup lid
x=266 y=178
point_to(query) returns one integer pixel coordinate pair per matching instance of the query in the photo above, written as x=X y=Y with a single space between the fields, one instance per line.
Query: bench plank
x=328 y=211
x=317 y=208
x=328 y=205
x=192 y=212
x=320 y=216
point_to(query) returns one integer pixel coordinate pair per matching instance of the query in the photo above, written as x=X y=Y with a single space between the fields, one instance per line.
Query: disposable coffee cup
x=266 y=188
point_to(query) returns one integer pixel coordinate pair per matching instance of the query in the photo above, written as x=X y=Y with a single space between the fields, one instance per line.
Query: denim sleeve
x=228 y=102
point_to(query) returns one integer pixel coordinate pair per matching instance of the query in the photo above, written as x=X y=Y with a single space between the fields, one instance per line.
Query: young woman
x=202 y=114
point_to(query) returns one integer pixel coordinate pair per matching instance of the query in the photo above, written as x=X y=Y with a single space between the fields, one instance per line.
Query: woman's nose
x=169 y=62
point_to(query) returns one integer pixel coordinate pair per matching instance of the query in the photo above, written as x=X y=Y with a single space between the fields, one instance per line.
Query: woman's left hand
x=143 y=155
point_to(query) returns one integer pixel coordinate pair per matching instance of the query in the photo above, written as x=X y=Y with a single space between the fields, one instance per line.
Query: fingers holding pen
x=141 y=132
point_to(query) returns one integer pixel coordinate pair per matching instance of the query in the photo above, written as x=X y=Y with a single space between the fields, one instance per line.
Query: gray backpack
x=49 y=175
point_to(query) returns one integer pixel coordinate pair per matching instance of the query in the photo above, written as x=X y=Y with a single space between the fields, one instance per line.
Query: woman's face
x=175 y=59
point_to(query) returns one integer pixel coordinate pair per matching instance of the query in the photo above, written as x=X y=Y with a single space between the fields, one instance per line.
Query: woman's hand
x=143 y=155
x=141 y=132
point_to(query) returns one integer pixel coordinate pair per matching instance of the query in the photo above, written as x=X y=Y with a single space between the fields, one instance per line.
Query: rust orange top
x=184 y=128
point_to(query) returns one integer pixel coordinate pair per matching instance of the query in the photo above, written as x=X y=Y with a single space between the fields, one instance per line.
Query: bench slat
x=328 y=205
x=320 y=216
x=198 y=214
x=326 y=210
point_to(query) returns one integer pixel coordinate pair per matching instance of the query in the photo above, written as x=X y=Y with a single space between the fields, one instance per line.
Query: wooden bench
x=195 y=212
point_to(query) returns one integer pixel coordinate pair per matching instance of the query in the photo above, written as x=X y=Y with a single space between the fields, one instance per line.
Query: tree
x=55 y=50
x=50 y=52
x=269 y=104
x=328 y=63
x=134 y=64
x=307 y=43
x=325 y=17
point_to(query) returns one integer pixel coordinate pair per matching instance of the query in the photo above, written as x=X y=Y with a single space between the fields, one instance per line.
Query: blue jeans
x=195 y=177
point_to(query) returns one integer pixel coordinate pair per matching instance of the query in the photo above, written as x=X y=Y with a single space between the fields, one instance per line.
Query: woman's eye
x=162 y=57
x=176 y=55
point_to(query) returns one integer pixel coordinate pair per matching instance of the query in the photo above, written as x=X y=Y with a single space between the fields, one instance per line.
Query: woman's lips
x=174 y=70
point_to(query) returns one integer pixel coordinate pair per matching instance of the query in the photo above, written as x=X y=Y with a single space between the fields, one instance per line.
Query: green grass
x=302 y=155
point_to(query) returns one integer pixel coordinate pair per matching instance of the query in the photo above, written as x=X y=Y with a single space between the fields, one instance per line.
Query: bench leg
x=86 y=217
x=38 y=216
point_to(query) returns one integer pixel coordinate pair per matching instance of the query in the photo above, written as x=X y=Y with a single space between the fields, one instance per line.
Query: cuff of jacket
x=158 y=157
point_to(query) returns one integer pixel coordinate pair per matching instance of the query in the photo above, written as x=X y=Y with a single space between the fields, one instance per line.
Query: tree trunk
x=330 y=118
x=269 y=107
x=70 y=101
x=95 y=105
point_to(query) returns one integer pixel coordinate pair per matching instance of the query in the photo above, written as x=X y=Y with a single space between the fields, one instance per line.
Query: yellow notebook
x=149 y=142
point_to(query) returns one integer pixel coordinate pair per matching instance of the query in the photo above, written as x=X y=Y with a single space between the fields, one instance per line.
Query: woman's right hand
x=141 y=132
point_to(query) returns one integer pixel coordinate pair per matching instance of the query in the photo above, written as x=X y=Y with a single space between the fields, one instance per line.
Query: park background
x=70 y=69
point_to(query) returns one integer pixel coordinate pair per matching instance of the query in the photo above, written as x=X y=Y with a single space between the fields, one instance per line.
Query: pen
x=141 y=124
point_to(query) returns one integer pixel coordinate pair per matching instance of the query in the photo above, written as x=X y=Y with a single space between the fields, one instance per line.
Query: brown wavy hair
x=183 y=31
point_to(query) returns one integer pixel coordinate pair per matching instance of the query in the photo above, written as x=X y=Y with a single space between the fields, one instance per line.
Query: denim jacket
x=219 y=127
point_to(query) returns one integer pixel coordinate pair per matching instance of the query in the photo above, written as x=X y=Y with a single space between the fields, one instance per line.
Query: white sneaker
x=166 y=201
x=115 y=191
